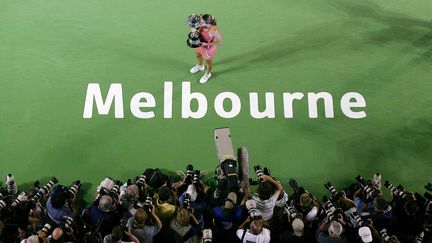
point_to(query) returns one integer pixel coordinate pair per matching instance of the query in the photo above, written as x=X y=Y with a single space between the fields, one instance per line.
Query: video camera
x=110 y=187
x=227 y=170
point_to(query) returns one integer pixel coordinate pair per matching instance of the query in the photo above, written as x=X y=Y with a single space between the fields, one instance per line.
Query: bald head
x=57 y=233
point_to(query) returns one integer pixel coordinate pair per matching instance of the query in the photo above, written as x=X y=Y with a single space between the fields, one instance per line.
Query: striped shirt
x=265 y=206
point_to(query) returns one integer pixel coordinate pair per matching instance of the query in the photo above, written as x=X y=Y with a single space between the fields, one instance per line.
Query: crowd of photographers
x=197 y=208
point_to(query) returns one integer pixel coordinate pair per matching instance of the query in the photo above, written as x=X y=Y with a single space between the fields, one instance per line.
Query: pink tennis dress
x=206 y=51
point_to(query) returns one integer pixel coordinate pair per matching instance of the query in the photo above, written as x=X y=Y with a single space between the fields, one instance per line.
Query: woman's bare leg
x=209 y=65
x=199 y=58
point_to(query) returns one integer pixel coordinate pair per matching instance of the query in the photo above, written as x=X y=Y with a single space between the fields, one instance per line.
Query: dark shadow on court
x=397 y=27
x=281 y=52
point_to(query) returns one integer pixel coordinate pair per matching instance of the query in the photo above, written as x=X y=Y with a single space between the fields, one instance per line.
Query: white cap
x=298 y=227
x=365 y=234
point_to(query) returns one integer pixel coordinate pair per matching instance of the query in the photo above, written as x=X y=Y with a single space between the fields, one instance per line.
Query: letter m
x=103 y=107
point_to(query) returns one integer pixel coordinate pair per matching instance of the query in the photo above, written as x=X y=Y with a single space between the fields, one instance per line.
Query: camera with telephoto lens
x=194 y=38
x=196 y=177
x=2 y=202
x=329 y=210
x=11 y=186
x=296 y=188
x=254 y=213
x=189 y=171
x=396 y=191
x=44 y=190
x=334 y=193
x=386 y=238
x=22 y=198
x=148 y=204
x=66 y=224
x=292 y=212
x=47 y=228
x=420 y=237
x=115 y=191
x=367 y=187
x=186 y=202
x=207 y=236
x=140 y=180
x=73 y=189
x=356 y=220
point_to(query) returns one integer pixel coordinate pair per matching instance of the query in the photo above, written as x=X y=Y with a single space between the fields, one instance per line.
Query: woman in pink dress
x=210 y=37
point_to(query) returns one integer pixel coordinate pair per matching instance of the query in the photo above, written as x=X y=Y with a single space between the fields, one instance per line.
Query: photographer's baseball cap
x=365 y=234
x=298 y=227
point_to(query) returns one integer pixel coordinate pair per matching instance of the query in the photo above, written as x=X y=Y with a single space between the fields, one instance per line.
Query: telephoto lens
x=22 y=198
x=189 y=170
x=11 y=186
x=384 y=235
x=331 y=189
x=186 y=201
x=140 y=180
x=148 y=204
x=45 y=189
x=258 y=171
x=115 y=191
x=419 y=238
x=73 y=190
x=196 y=177
x=47 y=228
x=207 y=236
x=2 y=202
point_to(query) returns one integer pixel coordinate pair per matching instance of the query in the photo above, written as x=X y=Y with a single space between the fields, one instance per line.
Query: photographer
x=165 y=211
x=186 y=227
x=138 y=227
x=226 y=218
x=116 y=236
x=364 y=202
x=59 y=205
x=331 y=232
x=103 y=213
x=255 y=233
x=266 y=195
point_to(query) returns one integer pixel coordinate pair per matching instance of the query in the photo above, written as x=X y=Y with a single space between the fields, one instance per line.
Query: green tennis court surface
x=51 y=50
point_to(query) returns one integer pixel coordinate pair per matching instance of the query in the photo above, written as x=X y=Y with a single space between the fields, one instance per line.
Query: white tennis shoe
x=205 y=77
x=197 y=68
